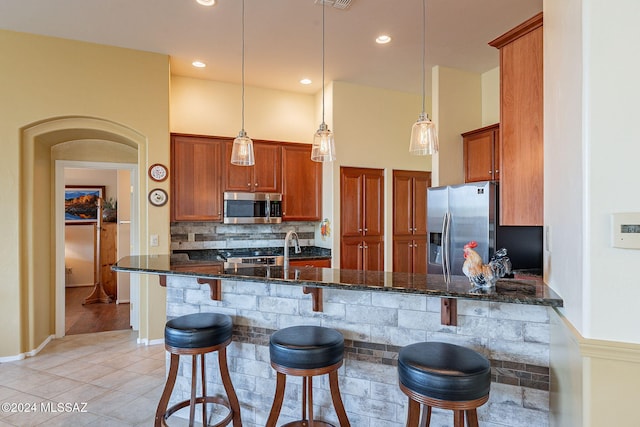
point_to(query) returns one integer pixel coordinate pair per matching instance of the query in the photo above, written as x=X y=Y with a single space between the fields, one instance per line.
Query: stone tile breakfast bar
x=378 y=313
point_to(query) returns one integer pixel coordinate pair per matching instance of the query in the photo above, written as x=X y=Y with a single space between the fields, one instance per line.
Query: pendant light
x=242 y=153
x=424 y=139
x=323 y=149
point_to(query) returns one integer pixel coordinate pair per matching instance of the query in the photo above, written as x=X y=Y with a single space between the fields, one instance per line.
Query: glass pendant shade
x=424 y=139
x=323 y=149
x=242 y=153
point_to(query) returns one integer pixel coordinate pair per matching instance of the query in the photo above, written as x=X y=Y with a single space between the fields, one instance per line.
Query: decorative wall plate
x=158 y=197
x=158 y=172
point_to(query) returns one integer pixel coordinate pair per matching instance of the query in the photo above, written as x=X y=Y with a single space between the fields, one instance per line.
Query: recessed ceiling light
x=198 y=64
x=305 y=81
x=207 y=2
x=383 y=39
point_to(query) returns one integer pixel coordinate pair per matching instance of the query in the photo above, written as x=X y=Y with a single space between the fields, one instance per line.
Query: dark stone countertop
x=308 y=252
x=517 y=291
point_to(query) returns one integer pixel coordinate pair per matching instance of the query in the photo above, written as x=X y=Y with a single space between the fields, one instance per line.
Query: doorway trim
x=60 y=166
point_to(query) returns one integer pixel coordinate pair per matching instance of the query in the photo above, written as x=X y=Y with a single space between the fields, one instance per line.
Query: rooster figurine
x=484 y=275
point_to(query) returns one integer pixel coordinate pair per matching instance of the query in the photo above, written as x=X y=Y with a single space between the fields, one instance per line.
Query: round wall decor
x=158 y=172
x=158 y=197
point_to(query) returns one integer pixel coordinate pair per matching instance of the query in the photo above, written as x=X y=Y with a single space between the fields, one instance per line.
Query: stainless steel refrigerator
x=458 y=214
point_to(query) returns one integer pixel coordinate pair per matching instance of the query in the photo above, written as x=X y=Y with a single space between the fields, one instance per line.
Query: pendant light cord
x=243 y=66
x=424 y=36
x=323 y=7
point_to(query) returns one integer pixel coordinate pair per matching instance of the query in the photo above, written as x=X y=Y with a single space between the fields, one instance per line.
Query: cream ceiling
x=283 y=37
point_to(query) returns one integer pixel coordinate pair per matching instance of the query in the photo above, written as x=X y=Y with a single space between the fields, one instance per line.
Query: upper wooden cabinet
x=482 y=154
x=521 y=124
x=265 y=176
x=301 y=184
x=196 y=185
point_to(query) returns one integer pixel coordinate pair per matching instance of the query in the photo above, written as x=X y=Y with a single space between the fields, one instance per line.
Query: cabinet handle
x=256 y=184
x=359 y=246
x=497 y=171
x=366 y=229
x=490 y=172
x=248 y=184
x=359 y=230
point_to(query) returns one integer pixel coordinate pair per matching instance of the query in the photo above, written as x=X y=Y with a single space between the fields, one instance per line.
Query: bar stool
x=307 y=351
x=197 y=334
x=442 y=375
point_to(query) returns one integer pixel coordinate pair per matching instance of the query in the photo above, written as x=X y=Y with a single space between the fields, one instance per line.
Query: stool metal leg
x=281 y=380
x=168 y=388
x=204 y=390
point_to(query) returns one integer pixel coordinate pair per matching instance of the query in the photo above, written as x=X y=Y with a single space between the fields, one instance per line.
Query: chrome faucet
x=291 y=235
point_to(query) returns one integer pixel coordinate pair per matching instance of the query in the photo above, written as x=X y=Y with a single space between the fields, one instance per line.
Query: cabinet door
x=351 y=253
x=351 y=196
x=521 y=124
x=402 y=203
x=237 y=178
x=478 y=157
x=267 y=172
x=373 y=215
x=403 y=255
x=196 y=179
x=421 y=181
x=420 y=256
x=373 y=254
x=301 y=184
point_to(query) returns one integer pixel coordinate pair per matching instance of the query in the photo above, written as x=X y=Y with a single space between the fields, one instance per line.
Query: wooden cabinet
x=196 y=171
x=265 y=176
x=108 y=242
x=362 y=218
x=410 y=220
x=326 y=263
x=301 y=184
x=521 y=124
x=482 y=154
x=410 y=255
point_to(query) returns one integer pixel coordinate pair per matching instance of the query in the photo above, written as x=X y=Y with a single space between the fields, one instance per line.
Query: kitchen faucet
x=291 y=235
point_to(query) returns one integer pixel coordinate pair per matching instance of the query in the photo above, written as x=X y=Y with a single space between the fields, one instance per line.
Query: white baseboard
x=122 y=301
x=28 y=353
x=79 y=285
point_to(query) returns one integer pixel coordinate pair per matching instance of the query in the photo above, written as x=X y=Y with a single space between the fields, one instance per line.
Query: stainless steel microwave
x=252 y=208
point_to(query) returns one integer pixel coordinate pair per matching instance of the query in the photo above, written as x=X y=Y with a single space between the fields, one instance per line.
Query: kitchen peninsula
x=378 y=313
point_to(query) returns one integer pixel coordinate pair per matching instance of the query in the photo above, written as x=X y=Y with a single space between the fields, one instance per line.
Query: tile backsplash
x=209 y=235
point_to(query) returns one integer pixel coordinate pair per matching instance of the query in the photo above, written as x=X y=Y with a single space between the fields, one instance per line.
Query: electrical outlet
x=154 y=240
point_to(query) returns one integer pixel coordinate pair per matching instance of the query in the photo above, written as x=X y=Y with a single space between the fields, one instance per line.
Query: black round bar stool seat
x=307 y=351
x=198 y=334
x=199 y=330
x=443 y=375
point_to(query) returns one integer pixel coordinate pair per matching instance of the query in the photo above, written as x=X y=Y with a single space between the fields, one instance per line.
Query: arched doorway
x=41 y=223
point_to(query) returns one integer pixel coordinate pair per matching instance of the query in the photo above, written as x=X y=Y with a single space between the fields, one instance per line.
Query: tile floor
x=119 y=380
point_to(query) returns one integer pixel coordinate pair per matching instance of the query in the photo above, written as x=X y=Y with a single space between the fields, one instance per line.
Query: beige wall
x=457 y=108
x=491 y=97
x=205 y=107
x=591 y=92
x=43 y=81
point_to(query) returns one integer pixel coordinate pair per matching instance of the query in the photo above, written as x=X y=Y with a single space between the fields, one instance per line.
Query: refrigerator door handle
x=443 y=245
x=447 y=247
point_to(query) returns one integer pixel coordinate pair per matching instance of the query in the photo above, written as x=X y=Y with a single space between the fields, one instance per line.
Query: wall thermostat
x=626 y=230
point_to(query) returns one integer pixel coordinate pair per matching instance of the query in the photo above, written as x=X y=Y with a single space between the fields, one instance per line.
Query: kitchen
x=608 y=314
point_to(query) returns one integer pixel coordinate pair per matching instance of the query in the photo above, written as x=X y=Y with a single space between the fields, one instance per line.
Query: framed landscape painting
x=81 y=203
